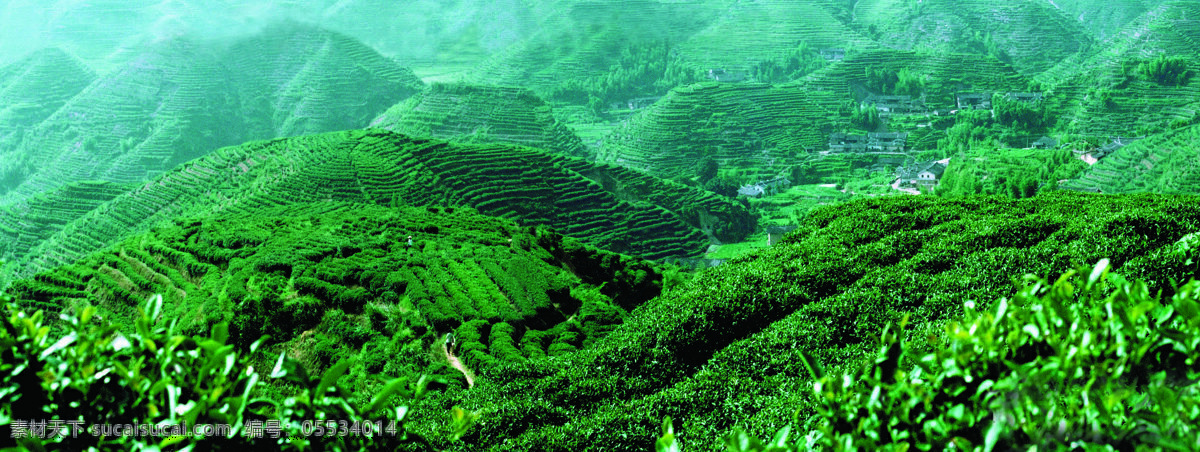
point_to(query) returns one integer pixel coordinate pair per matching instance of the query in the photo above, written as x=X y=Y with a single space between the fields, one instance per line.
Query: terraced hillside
x=742 y=125
x=1106 y=18
x=179 y=100
x=725 y=351
x=328 y=281
x=103 y=32
x=942 y=75
x=32 y=88
x=482 y=114
x=25 y=224
x=747 y=33
x=306 y=80
x=381 y=167
x=577 y=42
x=1016 y=31
x=1100 y=93
x=1163 y=163
x=150 y=115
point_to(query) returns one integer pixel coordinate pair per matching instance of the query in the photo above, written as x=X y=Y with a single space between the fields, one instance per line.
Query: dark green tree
x=706 y=170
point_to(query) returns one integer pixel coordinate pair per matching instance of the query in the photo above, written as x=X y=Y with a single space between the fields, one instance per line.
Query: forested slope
x=613 y=208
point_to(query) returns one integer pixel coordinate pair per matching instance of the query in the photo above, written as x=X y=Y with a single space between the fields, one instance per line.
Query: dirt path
x=457 y=363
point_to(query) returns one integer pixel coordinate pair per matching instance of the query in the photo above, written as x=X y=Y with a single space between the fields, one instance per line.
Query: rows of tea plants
x=944 y=75
x=477 y=113
x=726 y=350
x=1017 y=31
x=749 y=32
x=1099 y=94
x=745 y=125
x=347 y=281
x=381 y=167
x=177 y=100
x=576 y=42
x=25 y=224
x=32 y=88
x=1161 y=163
x=303 y=80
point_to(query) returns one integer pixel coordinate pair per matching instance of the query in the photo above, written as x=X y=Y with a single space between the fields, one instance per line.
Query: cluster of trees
x=801 y=61
x=1016 y=176
x=865 y=116
x=642 y=69
x=893 y=82
x=1022 y=116
x=1164 y=70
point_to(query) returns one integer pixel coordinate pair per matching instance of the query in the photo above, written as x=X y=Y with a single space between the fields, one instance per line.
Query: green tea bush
x=95 y=375
x=1091 y=361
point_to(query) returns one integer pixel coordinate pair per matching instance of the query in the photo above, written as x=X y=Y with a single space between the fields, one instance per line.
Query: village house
x=840 y=142
x=1024 y=97
x=722 y=75
x=974 y=101
x=765 y=188
x=931 y=174
x=774 y=233
x=924 y=174
x=1044 y=143
x=1113 y=146
x=886 y=142
x=641 y=102
x=834 y=54
x=887 y=105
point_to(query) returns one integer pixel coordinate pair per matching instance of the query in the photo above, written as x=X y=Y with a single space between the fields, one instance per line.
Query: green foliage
x=1022 y=116
x=1164 y=70
x=724 y=351
x=706 y=170
x=865 y=116
x=482 y=114
x=801 y=61
x=154 y=376
x=722 y=186
x=642 y=69
x=1011 y=172
x=1086 y=361
x=595 y=203
x=327 y=282
x=900 y=82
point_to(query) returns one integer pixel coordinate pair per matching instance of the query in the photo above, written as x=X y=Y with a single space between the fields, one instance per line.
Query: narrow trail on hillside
x=447 y=351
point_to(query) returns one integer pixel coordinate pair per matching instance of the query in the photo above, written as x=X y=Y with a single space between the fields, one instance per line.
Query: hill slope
x=178 y=100
x=1163 y=163
x=613 y=208
x=328 y=280
x=724 y=351
x=1104 y=92
x=1015 y=31
x=32 y=88
x=482 y=114
x=743 y=125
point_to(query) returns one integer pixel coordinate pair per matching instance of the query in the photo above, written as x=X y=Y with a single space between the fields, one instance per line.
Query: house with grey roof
x=886 y=142
x=974 y=101
x=841 y=142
